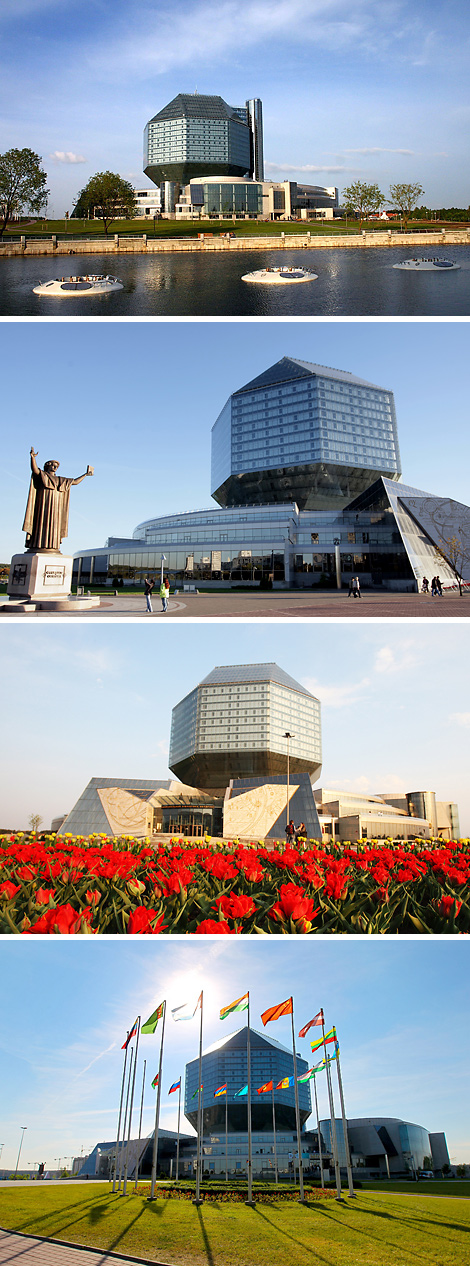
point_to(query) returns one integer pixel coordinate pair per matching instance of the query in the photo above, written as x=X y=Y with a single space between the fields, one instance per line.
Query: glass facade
x=223 y=198
x=341 y=429
x=226 y=1062
x=196 y=135
x=234 y=724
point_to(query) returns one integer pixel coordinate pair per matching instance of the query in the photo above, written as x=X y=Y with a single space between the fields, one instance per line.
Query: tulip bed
x=95 y=885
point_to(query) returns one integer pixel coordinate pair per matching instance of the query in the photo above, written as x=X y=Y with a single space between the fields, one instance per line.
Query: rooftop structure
x=305 y=433
x=233 y=726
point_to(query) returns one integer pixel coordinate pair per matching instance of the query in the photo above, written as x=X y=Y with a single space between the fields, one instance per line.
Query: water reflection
x=351 y=282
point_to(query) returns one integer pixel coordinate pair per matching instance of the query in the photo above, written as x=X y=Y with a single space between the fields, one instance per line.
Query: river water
x=351 y=282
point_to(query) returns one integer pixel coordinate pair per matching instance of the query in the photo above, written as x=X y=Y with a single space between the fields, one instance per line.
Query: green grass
x=372 y=1230
x=432 y=1187
x=171 y=228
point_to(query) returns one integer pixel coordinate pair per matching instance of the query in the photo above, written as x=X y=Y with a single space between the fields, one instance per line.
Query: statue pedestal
x=42 y=582
x=36 y=577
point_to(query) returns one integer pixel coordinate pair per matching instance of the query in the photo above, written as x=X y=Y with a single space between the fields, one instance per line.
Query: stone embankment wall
x=118 y=244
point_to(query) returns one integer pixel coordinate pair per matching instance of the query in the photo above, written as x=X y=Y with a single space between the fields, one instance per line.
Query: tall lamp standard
x=23 y=1128
x=288 y=736
x=163 y=557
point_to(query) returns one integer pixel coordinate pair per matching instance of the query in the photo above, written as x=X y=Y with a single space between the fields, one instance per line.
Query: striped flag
x=274 y=1013
x=129 y=1035
x=176 y=1086
x=221 y=1091
x=196 y=1092
x=311 y=1072
x=151 y=1024
x=240 y=1004
x=184 y=1012
x=329 y=1037
x=317 y=1019
x=285 y=1083
x=155 y=1082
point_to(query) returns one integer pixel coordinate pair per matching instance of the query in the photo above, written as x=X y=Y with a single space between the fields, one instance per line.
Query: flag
x=221 y=1091
x=176 y=1086
x=329 y=1037
x=196 y=1092
x=243 y=1091
x=151 y=1024
x=129 y=1035
x=274 y=1013
x=264 y=1089
x=240 y=1004
x=311 y=1072
x=285 y=1083
x=187 y=1014
x=155 y=1082
x=317 y=1019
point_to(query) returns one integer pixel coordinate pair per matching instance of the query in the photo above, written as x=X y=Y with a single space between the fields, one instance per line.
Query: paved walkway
x=267 y=606
x=26 y=1250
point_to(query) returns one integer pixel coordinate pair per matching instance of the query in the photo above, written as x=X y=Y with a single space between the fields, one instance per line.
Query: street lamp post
x=23 y=1128
x=288 y=736
x=163 y=557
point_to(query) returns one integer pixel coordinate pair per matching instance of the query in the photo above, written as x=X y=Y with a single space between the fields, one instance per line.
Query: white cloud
x=377 y=149
x=66 y=156
x=305 y=167
x=395 y=661
x=340 y=696
x=461 y=718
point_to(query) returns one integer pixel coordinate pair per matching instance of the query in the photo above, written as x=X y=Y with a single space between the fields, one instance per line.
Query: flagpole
x=124 y=1186
x=274 y=1133
x=332 y=1118
x=297 y=1112
x=250 y=1200
x=157 y=1111
x=178 y=1142
x=226 y=1135
x=120 y=1115
x=318 y=1132
x=124 y=1128
x=197 y=1200
x=140 y=1126
x=352 y=1192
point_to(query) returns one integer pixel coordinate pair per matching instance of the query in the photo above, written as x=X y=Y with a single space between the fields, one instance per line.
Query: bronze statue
x=46 y=521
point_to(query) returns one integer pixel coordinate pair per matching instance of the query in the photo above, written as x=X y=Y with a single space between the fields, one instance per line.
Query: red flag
x=129 y=1035
x=317 y=1019
x=274 y=1013
x=263 y=1089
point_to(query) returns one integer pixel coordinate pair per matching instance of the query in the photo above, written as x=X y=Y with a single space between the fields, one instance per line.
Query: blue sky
x=137 y=400
x=67 y=1008
x=93 y=701
x=376 y=91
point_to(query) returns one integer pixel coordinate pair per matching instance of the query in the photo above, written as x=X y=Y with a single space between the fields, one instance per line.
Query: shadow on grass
x=328 y=1261
x=37 y=1220
x=205 y=1237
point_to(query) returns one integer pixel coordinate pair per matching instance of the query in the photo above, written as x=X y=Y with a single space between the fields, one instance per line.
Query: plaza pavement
x=246 y=605
x=27 y=1250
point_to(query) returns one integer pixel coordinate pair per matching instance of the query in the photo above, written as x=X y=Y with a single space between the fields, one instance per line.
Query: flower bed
x=238 y=1195
x=75 y=885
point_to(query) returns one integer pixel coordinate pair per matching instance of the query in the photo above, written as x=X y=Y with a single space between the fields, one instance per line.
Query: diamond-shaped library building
x=307 y=489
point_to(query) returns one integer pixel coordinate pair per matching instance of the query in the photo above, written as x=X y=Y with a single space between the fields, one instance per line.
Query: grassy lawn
x=172 y=228
x=373 y=1230
x=431 y=1187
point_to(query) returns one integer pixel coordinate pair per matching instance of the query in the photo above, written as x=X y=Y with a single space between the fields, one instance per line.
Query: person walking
x=164 y=595
x=433 y=587
x=357 y=587
x=438 y=587
x=149 y=585
x=351 y=587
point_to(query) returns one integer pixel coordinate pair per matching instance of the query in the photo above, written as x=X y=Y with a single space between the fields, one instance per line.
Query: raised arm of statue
x=34 y=465
x=89 y=471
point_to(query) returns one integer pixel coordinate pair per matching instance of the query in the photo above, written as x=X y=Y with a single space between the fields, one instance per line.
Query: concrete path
x=26 y=1250
x=294 y=604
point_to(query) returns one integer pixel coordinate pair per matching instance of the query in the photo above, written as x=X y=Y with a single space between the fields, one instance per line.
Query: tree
x=455 y=551
x=22 y=184
x=108 y=195
x=363 y=199
x=405 y=197
x=35 y=821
